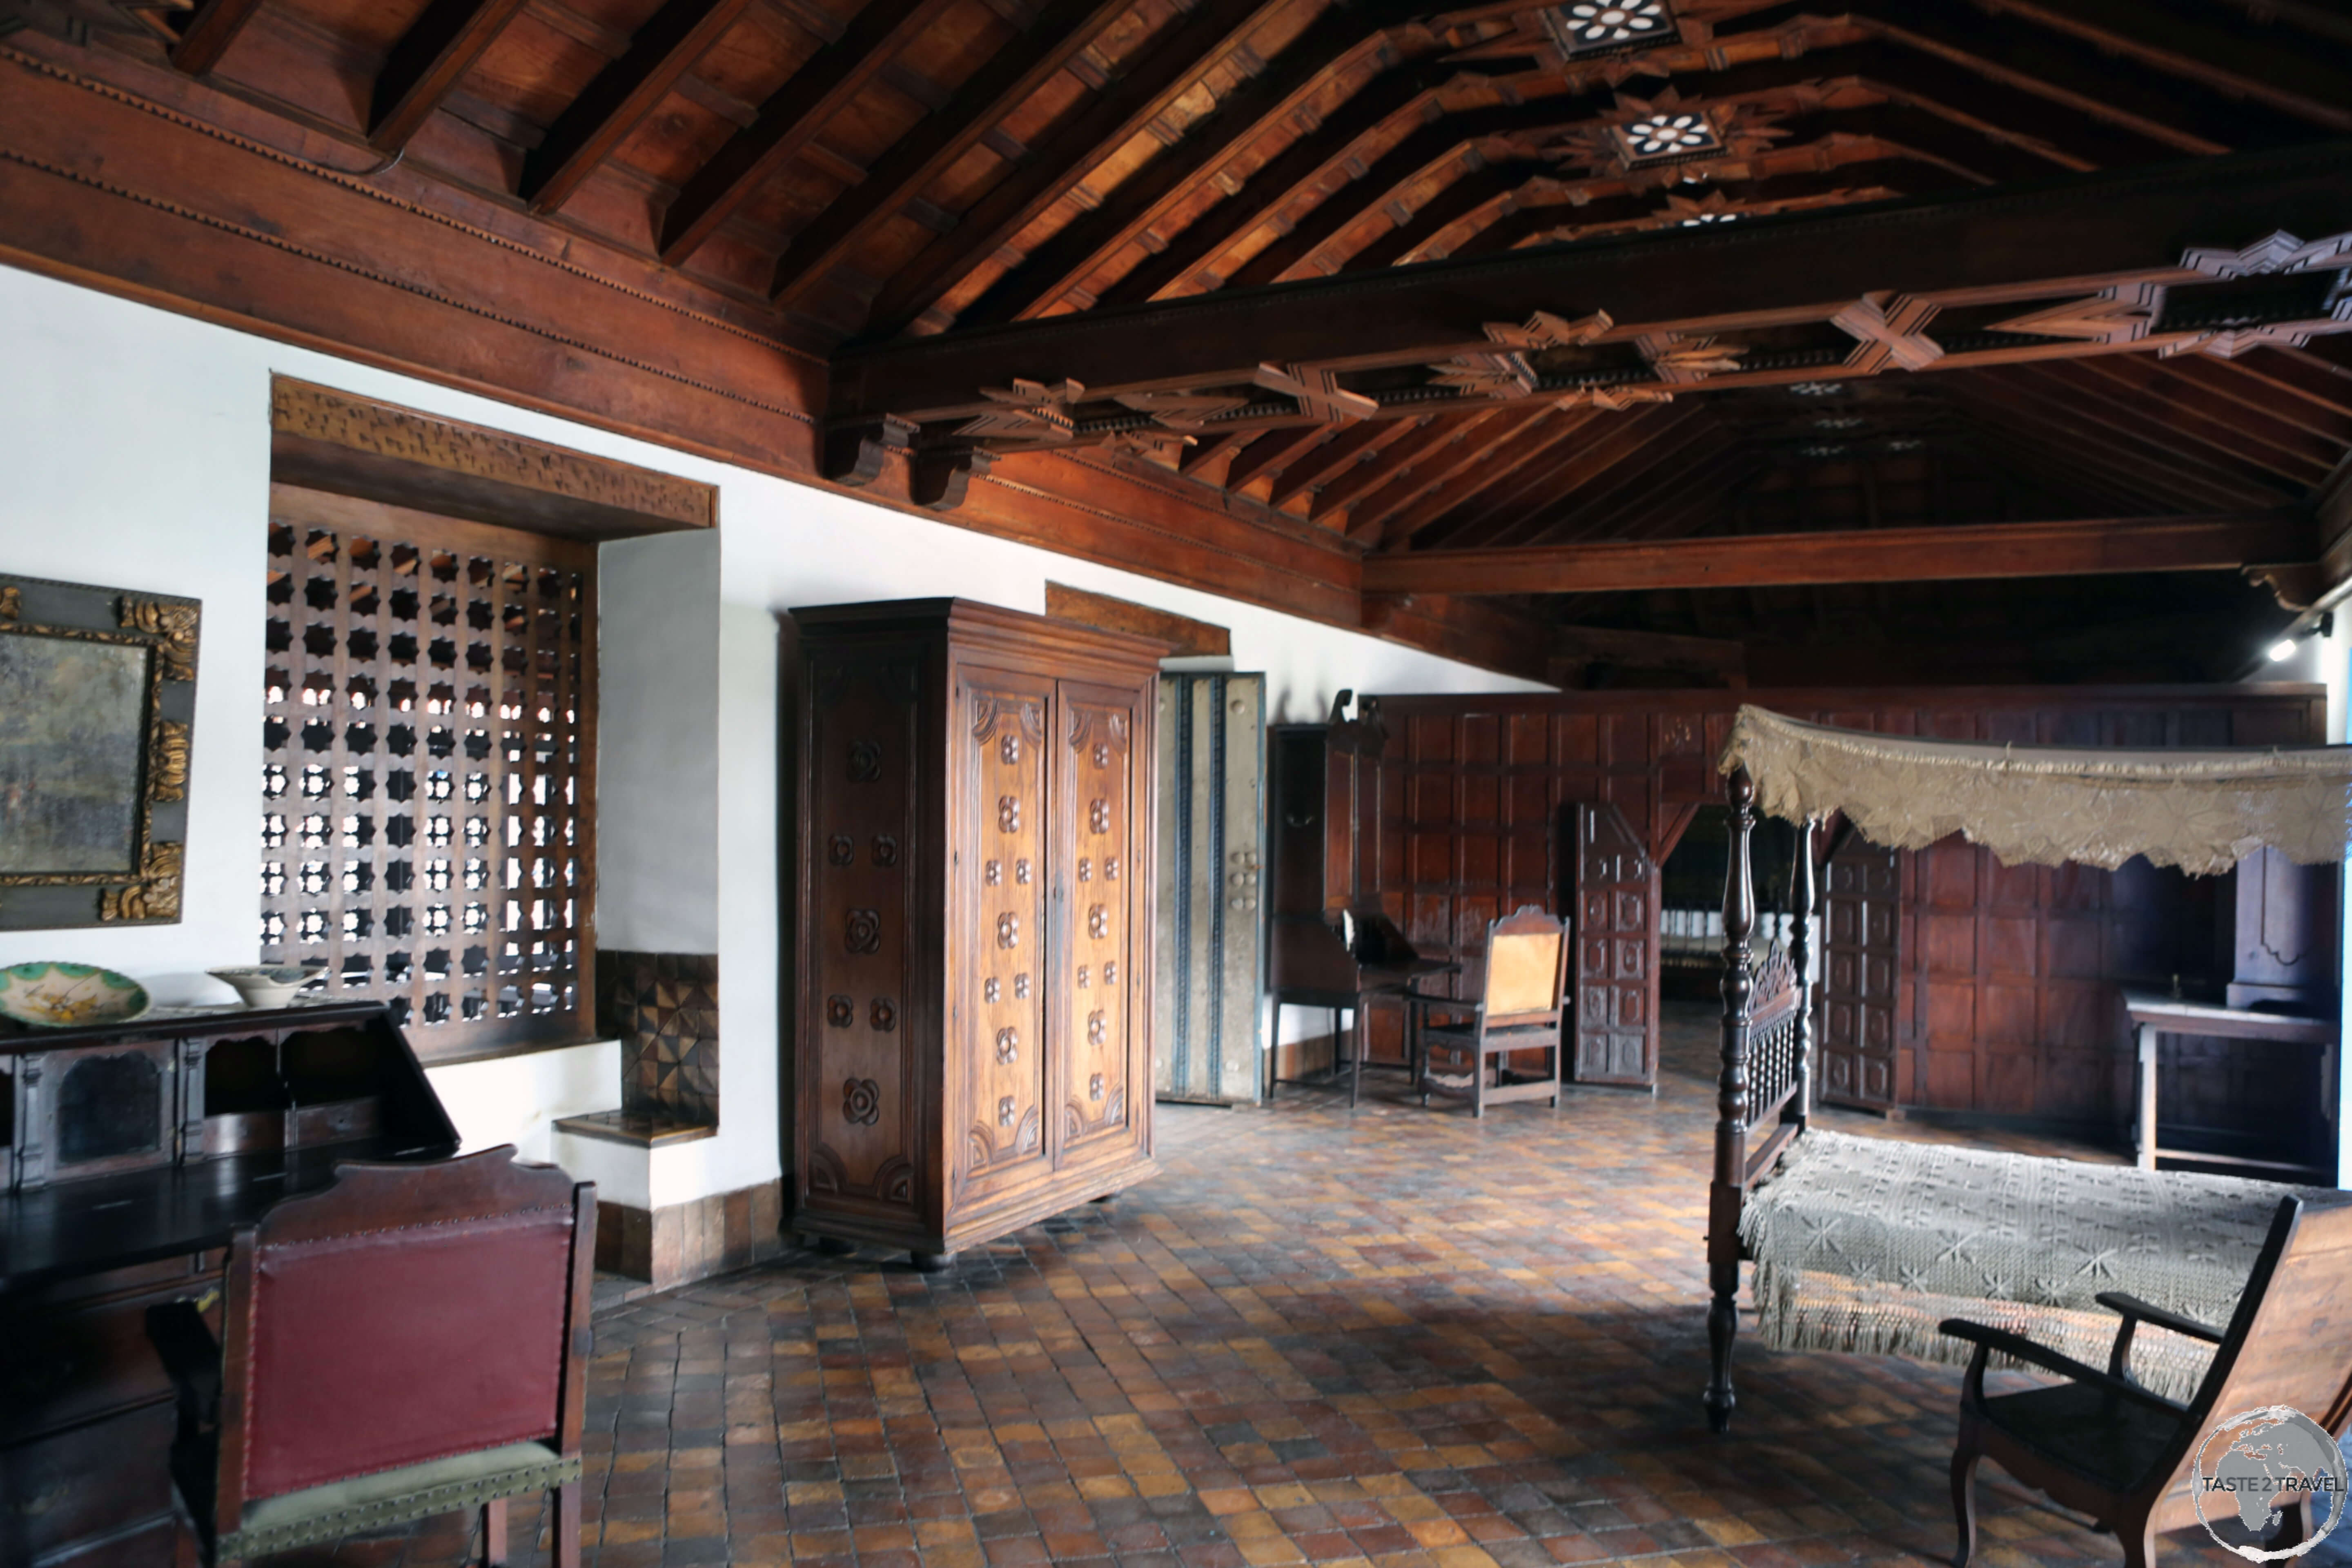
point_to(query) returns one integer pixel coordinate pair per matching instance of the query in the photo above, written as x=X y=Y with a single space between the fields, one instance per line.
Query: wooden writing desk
x=2152 y=1015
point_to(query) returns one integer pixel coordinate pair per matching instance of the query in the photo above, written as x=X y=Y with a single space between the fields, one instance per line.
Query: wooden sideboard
x=132 y=1152
x=974 y=1039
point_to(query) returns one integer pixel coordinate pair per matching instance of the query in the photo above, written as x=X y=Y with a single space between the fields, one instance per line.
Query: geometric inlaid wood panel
x=428 y=743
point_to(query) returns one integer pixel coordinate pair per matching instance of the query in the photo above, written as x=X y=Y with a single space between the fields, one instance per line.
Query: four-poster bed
x=1867 y=1244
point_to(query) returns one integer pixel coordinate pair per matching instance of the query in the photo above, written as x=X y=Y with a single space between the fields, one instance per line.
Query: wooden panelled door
x=1615 y=913
x=1106 y=1069
x=1862 y=926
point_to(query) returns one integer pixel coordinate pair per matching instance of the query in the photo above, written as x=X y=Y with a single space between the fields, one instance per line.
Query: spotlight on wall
x=2319 y=626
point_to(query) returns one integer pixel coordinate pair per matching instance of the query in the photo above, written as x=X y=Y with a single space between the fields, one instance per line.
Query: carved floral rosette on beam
x=96 y=713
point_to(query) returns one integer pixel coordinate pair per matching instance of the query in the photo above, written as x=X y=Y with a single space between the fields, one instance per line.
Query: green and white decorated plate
x=69 y=996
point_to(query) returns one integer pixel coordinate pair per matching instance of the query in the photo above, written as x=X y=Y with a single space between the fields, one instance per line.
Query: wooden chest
x=974 y=1030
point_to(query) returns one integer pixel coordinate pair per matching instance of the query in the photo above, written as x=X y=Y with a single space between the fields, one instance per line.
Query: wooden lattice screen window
x=427 y=777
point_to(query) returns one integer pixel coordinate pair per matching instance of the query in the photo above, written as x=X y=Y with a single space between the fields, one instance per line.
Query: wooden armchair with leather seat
x=2103 y=1443
x=413 y=1340
x=1518 y=1009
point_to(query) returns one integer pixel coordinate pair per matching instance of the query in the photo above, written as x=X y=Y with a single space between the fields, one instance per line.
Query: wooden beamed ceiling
x=1455 y=323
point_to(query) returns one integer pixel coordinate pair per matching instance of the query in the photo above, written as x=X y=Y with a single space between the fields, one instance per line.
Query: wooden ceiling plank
x=1359 y=443
x=1597 y=504
x=2182 y=382
x=2286 y=373
x=1163 y=70
x=2189 y=431
x=439 y=48
x=2005 y=244
x=210 y=32
x=1063 y=29
x=628 y=90
x=1291 y=173
x=1270 y=451
x=1634 y=434
x=2214 y=58
x=2051 y=426
x=1530 y=474
x=1340 y=494
x=2098 y=422
x=1631 y=505
x=2209 y=542
x=1143 y=198
x=791 y=118
x=1444 y=487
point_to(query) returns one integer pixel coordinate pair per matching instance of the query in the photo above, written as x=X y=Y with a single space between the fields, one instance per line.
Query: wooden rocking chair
x=1526 y=986
x=2104 y=1445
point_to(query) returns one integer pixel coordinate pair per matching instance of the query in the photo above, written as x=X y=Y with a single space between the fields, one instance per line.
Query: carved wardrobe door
x=1007 y=1082
x=1616 y=937
x=1861 y=953
x=863 y=1007
x=1106 y=1054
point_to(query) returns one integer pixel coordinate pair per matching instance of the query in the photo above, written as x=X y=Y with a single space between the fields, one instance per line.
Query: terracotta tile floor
x=1391 y=1336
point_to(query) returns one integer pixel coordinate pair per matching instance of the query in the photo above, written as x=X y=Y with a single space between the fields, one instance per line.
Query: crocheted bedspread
x=1867 y=1244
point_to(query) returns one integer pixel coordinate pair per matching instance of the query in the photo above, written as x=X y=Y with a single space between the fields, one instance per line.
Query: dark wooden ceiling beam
x=1619 y=439
x=1063 y=29
x=2251 y=380
x=823 y=84
x=1339 y=495
x=1158 y=72
x=1361 y=443
x=1092 y=240
x=1270 y=451
x=2007 y=243
x=439 y=48
x=1626 y=503
x=2221 y=542
x=628 y=90
x=209 y=33
x=2297 y=82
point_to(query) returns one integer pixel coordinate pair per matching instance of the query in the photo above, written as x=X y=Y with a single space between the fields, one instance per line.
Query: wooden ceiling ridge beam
x=2207 y=543
x=1331 y=43
x=2040 y=241
x=1062 y=30
x=439 y=48
x=1161 y=72
x=789 y=121
x=613 y=105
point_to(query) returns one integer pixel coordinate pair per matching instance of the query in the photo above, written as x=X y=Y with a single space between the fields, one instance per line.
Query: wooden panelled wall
x=2007 y=1005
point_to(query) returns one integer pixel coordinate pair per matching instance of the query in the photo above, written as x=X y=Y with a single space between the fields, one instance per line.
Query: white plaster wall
x=657 y=745
x=181 y=509
x=516 y=1099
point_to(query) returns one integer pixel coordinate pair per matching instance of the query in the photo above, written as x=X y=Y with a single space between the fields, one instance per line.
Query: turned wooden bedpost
x=1730 y=1105
x=1803 y=895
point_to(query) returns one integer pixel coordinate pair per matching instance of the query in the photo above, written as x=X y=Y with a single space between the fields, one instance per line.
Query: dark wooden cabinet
x=131 y=1153
x=974 y=1034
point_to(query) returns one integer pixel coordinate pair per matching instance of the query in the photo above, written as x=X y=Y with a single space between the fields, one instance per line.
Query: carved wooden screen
x=427 y=772
x=1860 y=938
x=1616 y=936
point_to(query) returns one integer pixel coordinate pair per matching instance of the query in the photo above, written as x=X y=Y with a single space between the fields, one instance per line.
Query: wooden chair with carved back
x=413 y=1340
x=1518 y=1009
x=2101 y=1443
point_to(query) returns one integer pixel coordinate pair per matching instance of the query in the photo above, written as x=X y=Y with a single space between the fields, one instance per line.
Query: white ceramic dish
x=268 y=985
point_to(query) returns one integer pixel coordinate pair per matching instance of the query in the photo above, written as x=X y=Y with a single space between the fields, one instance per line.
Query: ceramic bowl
x=65 y=995
x=268 y=985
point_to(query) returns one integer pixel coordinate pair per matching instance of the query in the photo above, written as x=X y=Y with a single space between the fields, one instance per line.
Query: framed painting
x=97 y=692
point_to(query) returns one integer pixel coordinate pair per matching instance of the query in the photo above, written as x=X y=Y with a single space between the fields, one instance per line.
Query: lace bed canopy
x=2202 y=811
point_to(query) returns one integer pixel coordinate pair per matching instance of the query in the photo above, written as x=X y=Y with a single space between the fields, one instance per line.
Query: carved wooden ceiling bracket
x=1317 y=392
x=1028 y=411
x=1682 y=361
x=1612 y=399
x=1184 y=410
x=2119 y=313
x=1892 y=328
x=1504 y=371
x=2279 y=252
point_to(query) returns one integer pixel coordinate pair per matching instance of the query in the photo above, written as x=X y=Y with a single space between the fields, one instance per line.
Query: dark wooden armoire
x=975 y=1040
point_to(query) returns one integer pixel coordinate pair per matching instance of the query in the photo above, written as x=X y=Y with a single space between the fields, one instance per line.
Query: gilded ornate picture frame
x=97 y=692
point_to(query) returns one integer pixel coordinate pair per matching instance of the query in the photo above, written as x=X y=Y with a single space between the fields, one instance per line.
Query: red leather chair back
x=407 y=1313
